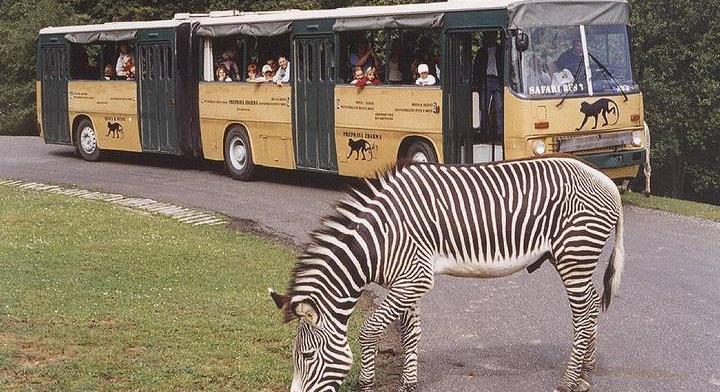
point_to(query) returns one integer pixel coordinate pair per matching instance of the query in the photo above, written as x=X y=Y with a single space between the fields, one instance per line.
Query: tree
x=677 y=47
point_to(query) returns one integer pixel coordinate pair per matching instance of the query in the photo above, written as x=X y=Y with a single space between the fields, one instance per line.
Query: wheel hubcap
x=419 y=157
x=88 y=141
x=238 y=154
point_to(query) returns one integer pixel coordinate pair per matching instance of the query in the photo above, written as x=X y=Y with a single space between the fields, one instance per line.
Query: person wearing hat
x=425 y=79
x=267 y=73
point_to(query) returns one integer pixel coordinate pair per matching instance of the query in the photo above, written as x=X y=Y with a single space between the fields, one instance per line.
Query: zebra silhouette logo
x=601 y=106
x=361 y=146
x=115 y=129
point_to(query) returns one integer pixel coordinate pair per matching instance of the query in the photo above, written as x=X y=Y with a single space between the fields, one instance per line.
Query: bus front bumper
x=623 y=164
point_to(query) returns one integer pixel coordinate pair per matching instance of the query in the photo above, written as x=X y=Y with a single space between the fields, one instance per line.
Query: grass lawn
x=675 y=206
x=97 y=297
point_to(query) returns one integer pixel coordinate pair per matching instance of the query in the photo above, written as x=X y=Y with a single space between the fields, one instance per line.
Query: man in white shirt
x=283 y=73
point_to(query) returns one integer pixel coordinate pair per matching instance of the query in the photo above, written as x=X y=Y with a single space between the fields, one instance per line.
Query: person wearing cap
x=425 y=79
x=267 y=74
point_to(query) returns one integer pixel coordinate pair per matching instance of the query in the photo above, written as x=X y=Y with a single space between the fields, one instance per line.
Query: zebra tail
x=615 y=266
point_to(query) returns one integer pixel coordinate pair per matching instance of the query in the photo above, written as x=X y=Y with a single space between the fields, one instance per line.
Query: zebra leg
x=400 y=299
x=409 y=324
x=589 y=362
x=578 y=285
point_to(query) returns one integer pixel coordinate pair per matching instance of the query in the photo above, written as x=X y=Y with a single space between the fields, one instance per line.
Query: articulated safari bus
x=356 y=89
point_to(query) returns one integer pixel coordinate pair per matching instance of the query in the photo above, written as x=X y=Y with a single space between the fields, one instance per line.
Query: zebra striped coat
x=473 y=221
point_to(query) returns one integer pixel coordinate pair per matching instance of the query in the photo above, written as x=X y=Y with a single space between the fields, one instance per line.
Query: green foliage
x=677 y=58
x=20 y=22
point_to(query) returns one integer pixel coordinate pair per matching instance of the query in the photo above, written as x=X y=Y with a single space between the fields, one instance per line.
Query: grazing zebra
x=474 y=221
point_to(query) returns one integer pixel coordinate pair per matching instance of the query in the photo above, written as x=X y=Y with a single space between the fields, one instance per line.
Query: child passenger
x=425 y=79
x=360 y=79
x=371 y=76
x=221 y=74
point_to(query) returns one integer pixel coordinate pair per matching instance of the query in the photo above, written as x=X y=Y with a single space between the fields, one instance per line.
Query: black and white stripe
x=476 y=221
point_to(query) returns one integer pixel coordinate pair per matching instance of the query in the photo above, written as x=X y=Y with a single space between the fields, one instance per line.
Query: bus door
x=474 y=98
x=313 y=96
x=55 y=75
x=157 y=97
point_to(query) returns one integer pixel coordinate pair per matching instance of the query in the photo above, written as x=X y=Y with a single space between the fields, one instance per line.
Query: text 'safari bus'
x=351 y=91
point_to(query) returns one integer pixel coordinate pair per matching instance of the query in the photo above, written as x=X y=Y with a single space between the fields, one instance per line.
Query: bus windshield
x=555 y=62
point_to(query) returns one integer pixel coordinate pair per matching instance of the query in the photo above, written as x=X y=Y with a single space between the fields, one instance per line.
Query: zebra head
x=321 y=353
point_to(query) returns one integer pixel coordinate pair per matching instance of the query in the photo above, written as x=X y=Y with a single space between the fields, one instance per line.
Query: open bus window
x=85 y=63
x=242 y=58
x=117 y=61
x=555 y=62
x=393 y=55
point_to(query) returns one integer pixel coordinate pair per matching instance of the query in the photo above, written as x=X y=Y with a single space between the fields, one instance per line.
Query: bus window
x=237 y=55
x=396 y=55
x=554 y=64
x=85 y=62
x=117 y=62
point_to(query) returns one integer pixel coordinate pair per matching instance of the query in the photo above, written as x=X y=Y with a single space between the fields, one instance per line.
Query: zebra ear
x=281 y=301
x=306 y=310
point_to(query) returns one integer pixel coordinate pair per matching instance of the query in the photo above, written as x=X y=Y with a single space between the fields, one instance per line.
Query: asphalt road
x=662 y=332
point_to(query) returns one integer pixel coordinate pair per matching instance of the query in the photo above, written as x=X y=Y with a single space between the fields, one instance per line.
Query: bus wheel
x=86 y=141
x=421 y=152
x=238 y=156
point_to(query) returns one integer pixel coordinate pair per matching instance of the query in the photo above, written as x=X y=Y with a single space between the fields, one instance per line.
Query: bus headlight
x=538 y=147
x=637 y=138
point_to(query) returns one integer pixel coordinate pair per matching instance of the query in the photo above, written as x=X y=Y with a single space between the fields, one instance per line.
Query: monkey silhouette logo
x=116 y=129
x=361 y=146
x=600 y=107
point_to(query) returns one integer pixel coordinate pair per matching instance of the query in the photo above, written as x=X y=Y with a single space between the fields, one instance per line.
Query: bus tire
x=86 y=141
x=421 y=152
x=238 y=155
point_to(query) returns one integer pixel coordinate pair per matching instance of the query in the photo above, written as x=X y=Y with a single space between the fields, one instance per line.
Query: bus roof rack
x=225 y=13
x=190 y=15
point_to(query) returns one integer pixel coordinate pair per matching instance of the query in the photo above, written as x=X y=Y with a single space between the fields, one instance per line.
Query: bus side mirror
x=522 y=41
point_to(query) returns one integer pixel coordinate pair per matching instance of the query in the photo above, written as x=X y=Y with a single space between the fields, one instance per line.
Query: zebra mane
x=357 y=196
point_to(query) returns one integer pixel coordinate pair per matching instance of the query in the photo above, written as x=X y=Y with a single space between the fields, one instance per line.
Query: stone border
x=182 y=214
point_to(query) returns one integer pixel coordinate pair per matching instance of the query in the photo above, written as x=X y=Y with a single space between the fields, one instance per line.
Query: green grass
x=97 y=297
x=676 y=206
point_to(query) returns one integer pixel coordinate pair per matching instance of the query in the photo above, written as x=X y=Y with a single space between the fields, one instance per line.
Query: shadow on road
x=302 y=178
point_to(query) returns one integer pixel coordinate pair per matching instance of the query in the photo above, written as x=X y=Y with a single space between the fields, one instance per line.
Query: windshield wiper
x=577 y=71
x=607 y=72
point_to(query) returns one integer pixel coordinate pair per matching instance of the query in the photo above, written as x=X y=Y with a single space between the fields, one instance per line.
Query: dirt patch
x=27 y=359
x=250 y=226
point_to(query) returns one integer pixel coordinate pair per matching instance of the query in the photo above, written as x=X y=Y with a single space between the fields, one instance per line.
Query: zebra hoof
x=561 y=388
x=366 y=387
x=582 y=386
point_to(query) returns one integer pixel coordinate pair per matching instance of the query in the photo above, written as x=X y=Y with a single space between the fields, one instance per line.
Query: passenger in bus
x=125 y=65
x=364 y=56
x=360 y=79
x=228 y=61
x=108 y=72
x=487 y=74
x=268 y=74
x=371 y=77
x=221 y=74
x=425 y=79
x=273 y=65
x=283 y=73
x=252 y=73
x=395 y=75
x=572 y=59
